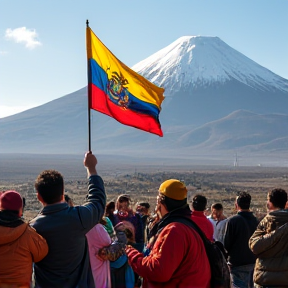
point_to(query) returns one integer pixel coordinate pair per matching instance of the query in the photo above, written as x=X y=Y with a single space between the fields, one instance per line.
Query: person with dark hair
x=124 y=212
x=49 y=186
x=122 y=275
x=238 y=230
x=218 y=220
x=145 y=205
x=199 y=203
x=244 y=200
x=109 y=209
x=64 y=228
x=178 y=256
x=142 y=208
x=20 y=245
x=269 y=243
x=276 y=199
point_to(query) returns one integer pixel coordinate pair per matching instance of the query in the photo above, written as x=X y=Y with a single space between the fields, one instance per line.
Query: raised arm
x=90 y=162
x=260 y=242
x=93 y=210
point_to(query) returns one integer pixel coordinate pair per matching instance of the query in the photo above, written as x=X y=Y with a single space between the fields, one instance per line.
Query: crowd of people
x=116 y=245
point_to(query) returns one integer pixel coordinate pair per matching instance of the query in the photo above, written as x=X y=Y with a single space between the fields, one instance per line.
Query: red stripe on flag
x=99 y=101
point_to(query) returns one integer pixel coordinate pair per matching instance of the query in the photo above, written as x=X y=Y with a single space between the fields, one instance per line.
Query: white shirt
x=219 y=228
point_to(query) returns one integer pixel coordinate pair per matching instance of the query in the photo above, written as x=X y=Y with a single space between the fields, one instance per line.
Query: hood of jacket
x=10 y=234
x=276 y=218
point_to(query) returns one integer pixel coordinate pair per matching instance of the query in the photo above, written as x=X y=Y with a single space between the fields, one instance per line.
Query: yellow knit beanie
x=173 y=189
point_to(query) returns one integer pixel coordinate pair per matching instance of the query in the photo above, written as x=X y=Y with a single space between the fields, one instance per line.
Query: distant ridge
x=241 y=129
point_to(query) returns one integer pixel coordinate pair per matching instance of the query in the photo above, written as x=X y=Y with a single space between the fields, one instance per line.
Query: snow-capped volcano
x=197 y=60
x=204 y=79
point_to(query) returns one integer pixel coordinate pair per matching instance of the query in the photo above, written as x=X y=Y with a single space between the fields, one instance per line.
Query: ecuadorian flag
x=119 y=92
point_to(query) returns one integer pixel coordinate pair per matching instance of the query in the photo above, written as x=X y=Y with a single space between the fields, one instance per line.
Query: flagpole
x=88 y=89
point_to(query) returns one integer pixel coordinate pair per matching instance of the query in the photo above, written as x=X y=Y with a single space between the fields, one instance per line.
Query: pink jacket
x=98 y=238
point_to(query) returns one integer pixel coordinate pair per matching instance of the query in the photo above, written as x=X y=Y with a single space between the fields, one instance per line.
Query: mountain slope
x=216 y=81
x=241 y=129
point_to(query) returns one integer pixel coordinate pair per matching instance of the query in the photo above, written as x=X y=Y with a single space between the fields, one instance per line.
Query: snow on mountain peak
x=203 y=60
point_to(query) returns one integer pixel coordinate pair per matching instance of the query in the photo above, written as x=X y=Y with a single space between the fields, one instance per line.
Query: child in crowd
x=121 y=273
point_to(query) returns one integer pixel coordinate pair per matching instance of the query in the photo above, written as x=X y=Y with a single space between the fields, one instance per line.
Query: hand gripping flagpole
x=88 y=90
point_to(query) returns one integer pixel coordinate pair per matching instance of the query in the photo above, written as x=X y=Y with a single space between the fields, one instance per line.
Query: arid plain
x=219 y=183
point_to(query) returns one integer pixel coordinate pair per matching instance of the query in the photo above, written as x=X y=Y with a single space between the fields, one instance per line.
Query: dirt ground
x=217 y=183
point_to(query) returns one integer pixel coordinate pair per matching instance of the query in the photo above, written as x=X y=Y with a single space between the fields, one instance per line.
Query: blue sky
x=42 y=43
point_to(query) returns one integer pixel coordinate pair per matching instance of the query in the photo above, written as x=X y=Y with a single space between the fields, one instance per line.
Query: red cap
x=11 y=200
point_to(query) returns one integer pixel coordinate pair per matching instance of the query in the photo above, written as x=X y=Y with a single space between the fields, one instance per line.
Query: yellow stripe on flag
x=137 y=85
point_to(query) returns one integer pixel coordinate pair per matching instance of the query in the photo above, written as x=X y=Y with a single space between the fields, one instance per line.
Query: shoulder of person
x=99 y=227
x=234 y=218
x=177 y=227
x=269 y=218
x=32 y=232
x=278 y=213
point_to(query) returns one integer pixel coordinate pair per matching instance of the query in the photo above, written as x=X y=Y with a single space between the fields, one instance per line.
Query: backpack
x=220 y=275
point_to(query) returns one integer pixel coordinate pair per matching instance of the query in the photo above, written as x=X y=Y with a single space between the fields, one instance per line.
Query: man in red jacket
x=178 y=257
x=199 y=203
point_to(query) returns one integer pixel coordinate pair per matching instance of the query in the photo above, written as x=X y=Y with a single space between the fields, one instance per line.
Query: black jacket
x=238 y=231
x=67 y=264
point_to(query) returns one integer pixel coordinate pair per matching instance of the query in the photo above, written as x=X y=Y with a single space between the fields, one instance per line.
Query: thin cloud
x=23 y=35
x=3 y=52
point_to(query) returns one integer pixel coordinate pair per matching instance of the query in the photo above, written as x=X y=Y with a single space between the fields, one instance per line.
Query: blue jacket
x=67 y=263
